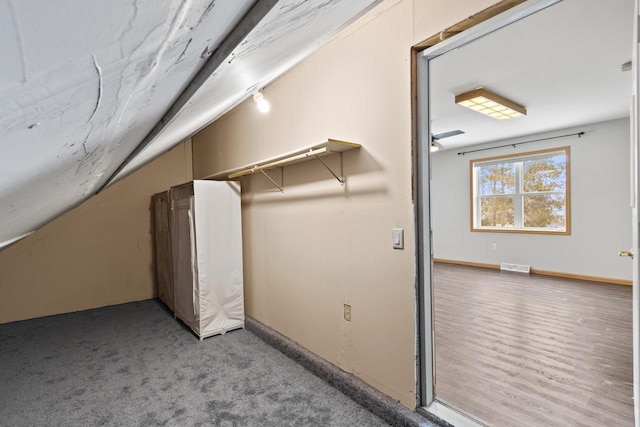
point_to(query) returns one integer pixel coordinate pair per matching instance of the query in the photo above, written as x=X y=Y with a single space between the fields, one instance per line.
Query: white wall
x=600 y=212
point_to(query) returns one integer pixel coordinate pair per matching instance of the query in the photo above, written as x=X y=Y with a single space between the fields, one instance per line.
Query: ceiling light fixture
x=263 y=104
x=485 y=102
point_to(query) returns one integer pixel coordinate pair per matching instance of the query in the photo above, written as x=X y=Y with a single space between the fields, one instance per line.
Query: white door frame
x=635 y=186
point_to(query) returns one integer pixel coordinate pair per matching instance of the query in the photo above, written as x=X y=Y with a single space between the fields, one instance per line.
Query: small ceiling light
x=263 y=104
x=485 y=102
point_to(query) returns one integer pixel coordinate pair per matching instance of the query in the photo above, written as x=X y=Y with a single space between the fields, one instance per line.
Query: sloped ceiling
x=282 y=39
x=86 y=85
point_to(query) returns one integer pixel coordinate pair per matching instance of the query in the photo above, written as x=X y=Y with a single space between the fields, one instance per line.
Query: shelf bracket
x=341 y=177
x=273 y=181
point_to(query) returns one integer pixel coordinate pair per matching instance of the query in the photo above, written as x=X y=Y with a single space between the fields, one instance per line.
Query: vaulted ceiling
x=92 y=90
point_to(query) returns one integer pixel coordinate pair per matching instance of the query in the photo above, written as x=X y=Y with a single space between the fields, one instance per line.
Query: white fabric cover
x=212 y=229
x=184 y=276
x=163 y=252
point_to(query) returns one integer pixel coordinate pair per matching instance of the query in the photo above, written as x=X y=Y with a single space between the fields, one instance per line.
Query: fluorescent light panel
x=485 y=102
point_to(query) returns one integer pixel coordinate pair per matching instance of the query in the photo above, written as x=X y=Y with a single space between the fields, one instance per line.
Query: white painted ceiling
x=562 y=64
x=82 y=83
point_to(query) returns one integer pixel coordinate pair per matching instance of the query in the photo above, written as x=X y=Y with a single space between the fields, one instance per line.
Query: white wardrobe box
x=206 y=236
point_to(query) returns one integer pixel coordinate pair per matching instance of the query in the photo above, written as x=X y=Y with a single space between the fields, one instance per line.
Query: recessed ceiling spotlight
x=485 y=102
x=263 y=104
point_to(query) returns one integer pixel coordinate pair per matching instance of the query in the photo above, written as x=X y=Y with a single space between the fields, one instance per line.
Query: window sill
x=521 y=231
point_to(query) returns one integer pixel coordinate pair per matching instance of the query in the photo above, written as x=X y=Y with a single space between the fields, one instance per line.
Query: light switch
x=398 y=238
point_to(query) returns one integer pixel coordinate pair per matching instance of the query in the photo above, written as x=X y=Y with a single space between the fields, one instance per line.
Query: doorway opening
x=548 y=327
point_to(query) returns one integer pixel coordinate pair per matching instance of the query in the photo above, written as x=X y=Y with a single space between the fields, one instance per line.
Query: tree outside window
x=522 y=193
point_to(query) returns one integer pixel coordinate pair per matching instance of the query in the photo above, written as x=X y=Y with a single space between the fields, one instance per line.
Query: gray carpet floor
x=134 y=365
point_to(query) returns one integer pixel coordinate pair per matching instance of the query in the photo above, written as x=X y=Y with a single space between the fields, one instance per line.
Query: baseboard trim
x=541 y=272
x=468 y=263
x=373 y=400
x=583 y=277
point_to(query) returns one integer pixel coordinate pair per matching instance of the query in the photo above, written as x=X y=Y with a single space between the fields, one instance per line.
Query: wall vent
x=519 y=268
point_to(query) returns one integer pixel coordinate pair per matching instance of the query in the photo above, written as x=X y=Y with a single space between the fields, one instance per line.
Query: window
x=524 y=193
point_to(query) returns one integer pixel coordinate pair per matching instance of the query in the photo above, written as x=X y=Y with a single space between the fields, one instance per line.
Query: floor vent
x=519 y=268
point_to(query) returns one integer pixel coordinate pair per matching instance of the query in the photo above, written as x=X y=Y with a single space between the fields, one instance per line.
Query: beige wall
x=98 y=254
x=319 y=245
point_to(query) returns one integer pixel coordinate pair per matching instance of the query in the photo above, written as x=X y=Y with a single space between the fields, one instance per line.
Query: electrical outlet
x=494 y=246
x=347 y=313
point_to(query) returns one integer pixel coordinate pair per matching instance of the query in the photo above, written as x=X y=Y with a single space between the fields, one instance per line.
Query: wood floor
x=526 y=350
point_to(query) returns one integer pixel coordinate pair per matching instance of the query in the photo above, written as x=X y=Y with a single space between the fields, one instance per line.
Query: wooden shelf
x=317 y=151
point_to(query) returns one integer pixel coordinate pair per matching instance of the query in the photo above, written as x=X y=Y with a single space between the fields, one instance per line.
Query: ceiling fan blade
x=446 y=134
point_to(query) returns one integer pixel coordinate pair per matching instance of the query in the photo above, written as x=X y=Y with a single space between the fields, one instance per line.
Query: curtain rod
x=578 y=134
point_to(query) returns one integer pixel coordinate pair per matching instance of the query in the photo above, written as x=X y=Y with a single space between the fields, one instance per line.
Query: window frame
x=519 y=193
